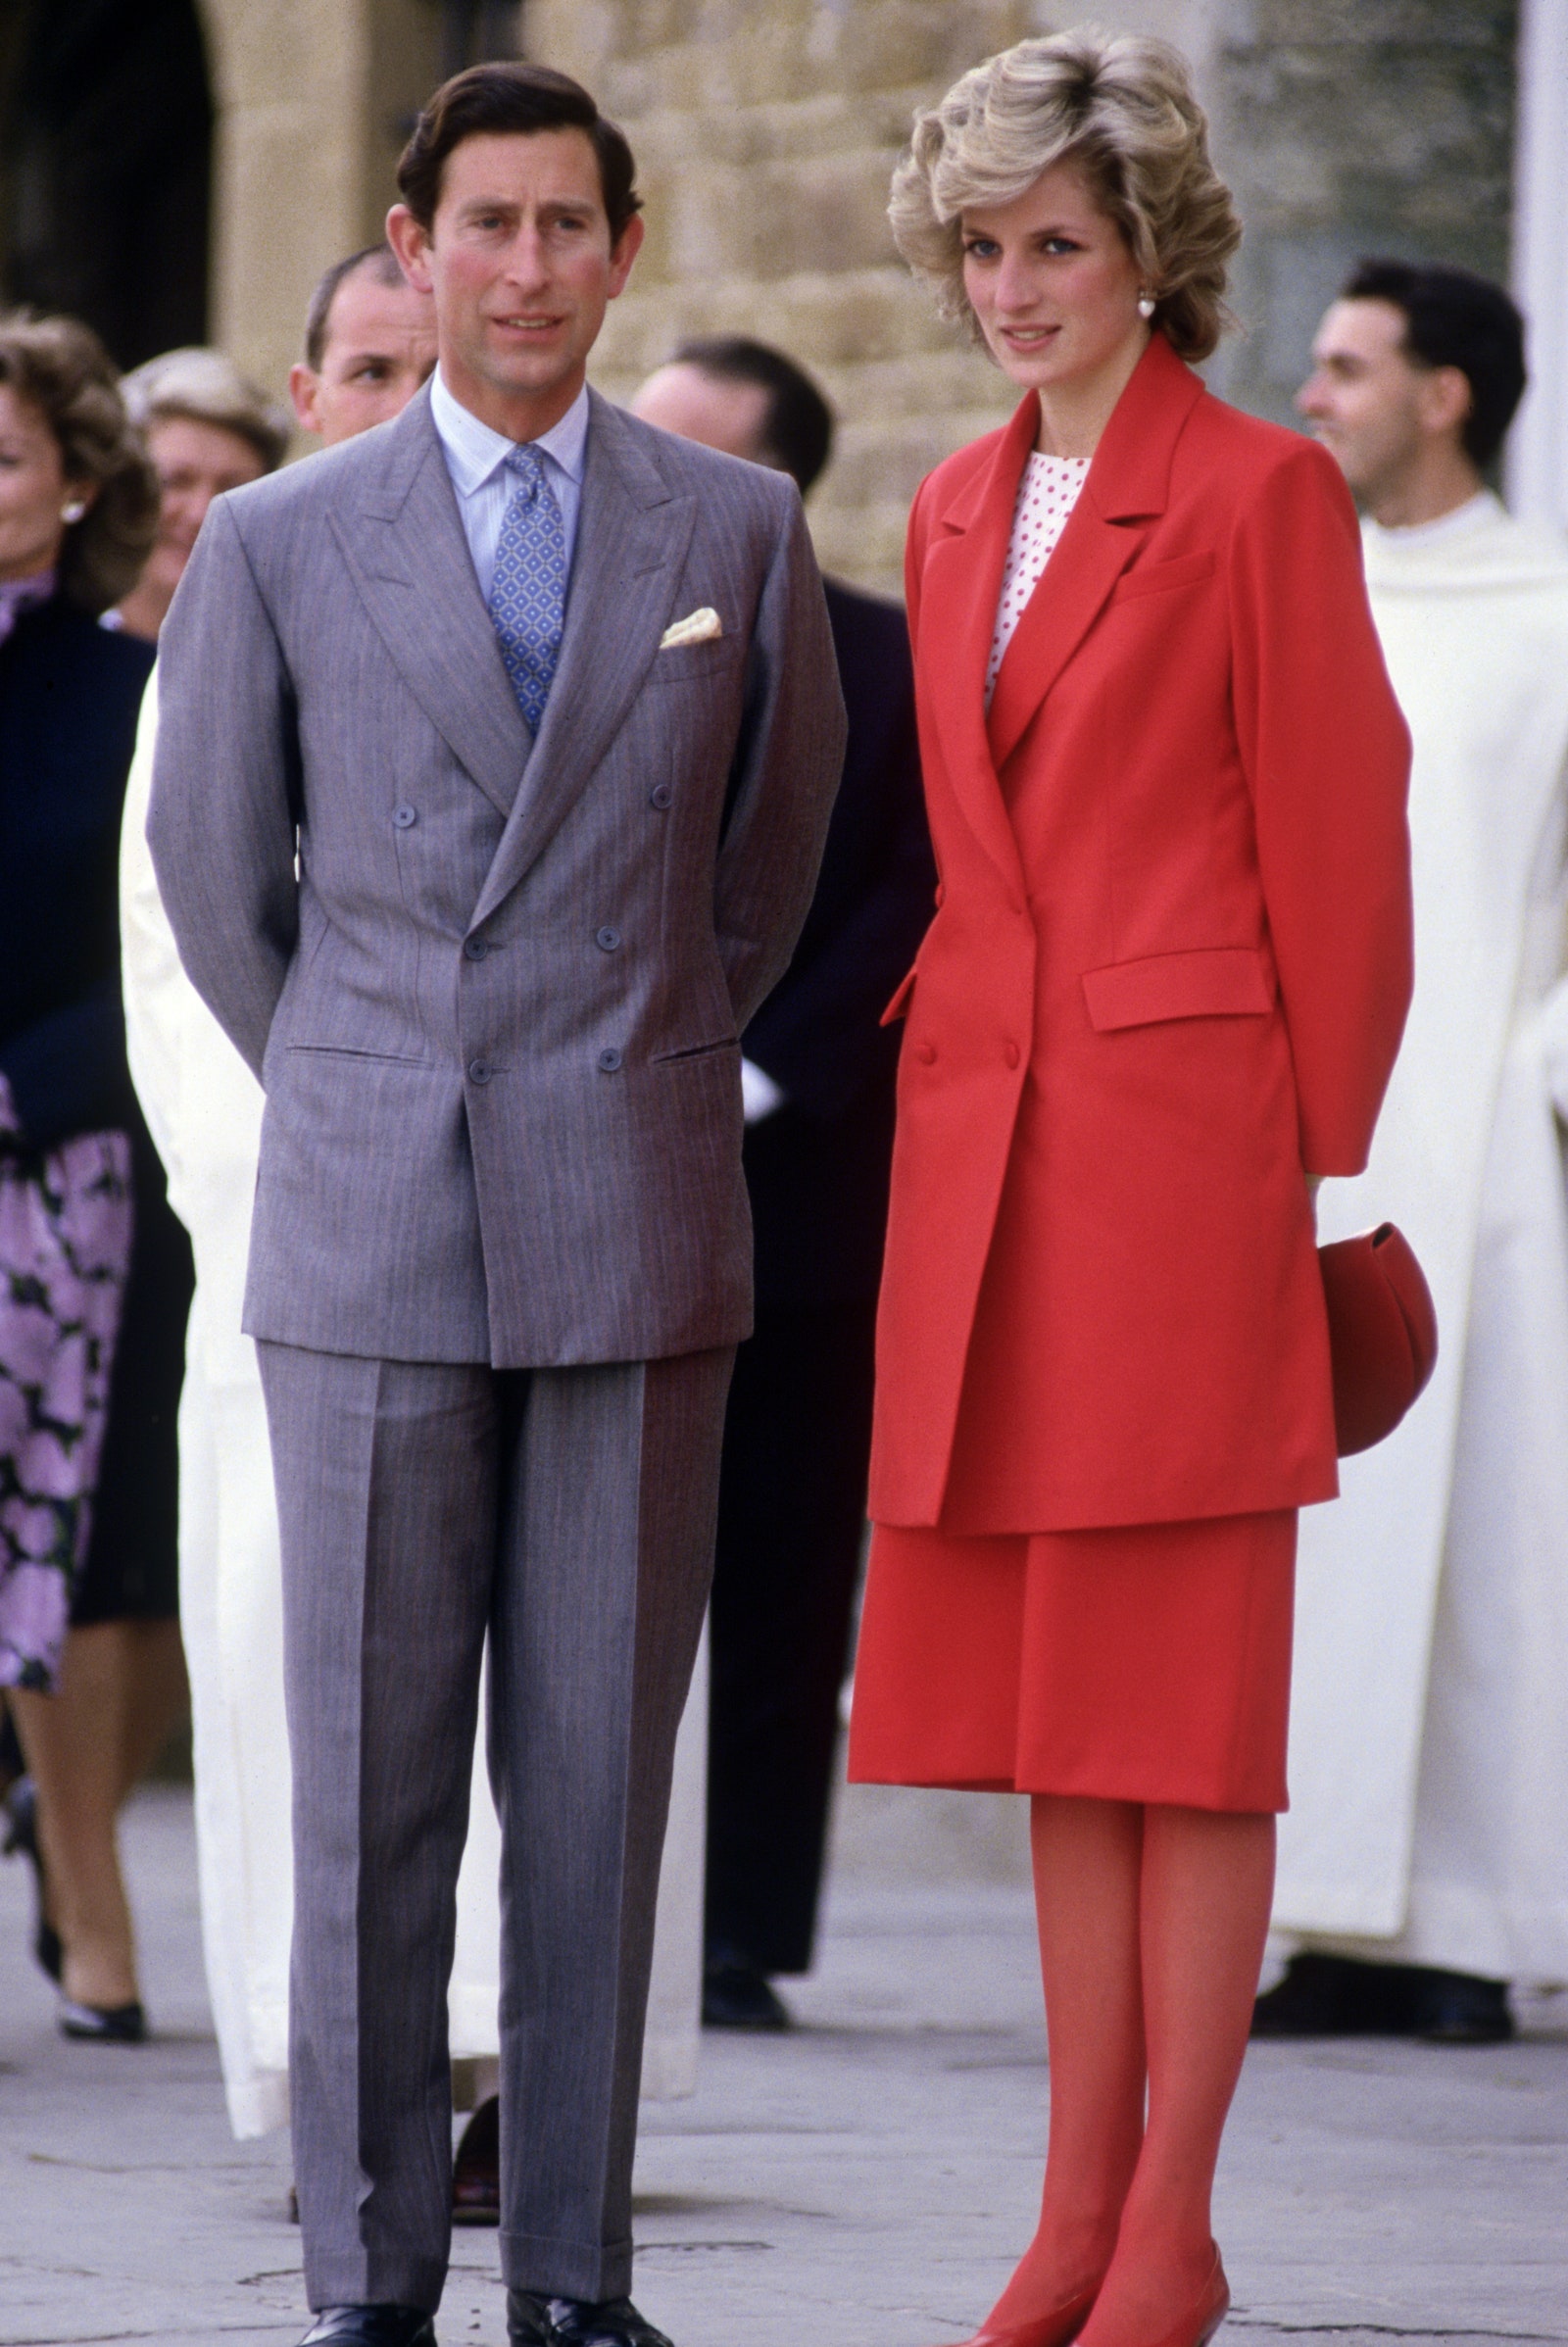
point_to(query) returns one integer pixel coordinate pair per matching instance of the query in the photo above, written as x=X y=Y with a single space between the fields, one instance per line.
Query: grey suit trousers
x=571 y=1512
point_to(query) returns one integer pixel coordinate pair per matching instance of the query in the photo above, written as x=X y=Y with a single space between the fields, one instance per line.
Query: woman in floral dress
x=79 y=504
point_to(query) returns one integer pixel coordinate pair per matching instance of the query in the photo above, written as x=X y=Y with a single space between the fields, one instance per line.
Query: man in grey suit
x=496 y=752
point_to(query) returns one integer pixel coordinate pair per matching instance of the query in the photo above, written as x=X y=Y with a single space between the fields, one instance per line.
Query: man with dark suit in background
x=818 y=1075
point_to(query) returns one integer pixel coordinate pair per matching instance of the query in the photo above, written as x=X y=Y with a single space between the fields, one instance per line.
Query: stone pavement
x=857 y=2185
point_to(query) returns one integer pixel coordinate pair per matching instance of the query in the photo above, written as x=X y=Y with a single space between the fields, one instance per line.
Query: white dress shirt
x=477 y=460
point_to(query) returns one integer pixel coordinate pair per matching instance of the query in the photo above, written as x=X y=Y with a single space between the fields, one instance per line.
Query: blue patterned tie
x=529 y=591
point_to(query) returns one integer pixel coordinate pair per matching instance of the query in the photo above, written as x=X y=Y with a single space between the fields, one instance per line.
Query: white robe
x=1429 y=1736
x=204 y=1108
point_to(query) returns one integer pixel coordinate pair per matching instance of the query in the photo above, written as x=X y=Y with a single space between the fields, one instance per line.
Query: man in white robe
x=369 y=344
x=1424 y=1862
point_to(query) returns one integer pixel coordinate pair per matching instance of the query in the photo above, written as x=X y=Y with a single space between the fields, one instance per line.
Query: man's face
x=381 y=346
x=519 y=260
x=1364 y=398
x=730 y=416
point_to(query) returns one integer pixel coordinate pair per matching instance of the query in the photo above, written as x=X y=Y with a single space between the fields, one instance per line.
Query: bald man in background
x=817 y=1077
x=370 y=343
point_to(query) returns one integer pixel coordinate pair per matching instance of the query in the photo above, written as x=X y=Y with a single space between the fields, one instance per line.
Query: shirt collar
x=475 y=452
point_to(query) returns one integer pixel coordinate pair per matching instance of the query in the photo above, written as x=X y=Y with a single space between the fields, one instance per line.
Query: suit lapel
x=632 y=534
x=959 y=587
x=1127 y=489
x=405 y=543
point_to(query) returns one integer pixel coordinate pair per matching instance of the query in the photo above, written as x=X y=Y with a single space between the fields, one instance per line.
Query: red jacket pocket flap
x=1150 y=578
x=900 y=1000
x=1220 y=982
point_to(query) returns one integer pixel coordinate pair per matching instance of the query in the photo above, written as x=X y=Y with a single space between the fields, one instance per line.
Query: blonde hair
x=1123 y=109
x=207 y=388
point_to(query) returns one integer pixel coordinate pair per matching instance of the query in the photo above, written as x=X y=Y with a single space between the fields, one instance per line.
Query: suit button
x=405 y=817
x=475 y=947
x=661 y=795
x=925 y=1052
x=480 y=1071
x=606 y=939
x=609 y=1059
x=1011 y=1053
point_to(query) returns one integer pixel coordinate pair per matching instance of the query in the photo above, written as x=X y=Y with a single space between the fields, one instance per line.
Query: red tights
x=1152 y=1929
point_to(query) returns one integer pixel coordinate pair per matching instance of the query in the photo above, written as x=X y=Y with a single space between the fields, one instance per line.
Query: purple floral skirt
x=64 y=1248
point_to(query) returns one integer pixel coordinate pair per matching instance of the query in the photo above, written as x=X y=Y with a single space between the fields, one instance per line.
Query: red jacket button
x=1011 y=1054
x=925 y=1052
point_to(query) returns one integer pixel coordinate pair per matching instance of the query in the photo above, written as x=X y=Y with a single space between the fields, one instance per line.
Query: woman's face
x=194 y=462
x=34 y=489
x=1053 y=283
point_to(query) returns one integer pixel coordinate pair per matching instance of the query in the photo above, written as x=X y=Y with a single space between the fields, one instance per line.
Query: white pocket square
x=698 y=627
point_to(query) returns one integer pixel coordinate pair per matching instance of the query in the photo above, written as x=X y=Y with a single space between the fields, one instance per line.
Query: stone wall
x=1355 y=126
x=766 y=134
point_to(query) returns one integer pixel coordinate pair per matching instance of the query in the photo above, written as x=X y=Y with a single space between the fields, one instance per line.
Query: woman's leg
x=157 y=1696
x=1207 y=1884
x=1088 y=1867
x=75 y=1741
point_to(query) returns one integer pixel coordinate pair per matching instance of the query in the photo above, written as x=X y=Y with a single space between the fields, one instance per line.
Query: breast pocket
x=690 y=664
x=1158 y=579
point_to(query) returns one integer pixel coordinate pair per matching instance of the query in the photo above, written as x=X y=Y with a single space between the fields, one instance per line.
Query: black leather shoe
x=533 y=2321
x=737 y=1996
x=476 y=2167
x=371 y=2327
x=1336 y=1996
x=1459 y=2008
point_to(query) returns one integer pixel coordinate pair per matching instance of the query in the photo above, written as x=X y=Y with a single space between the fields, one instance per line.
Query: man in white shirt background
x=1424 y=1864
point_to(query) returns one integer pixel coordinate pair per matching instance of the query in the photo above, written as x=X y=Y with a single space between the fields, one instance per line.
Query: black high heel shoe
x=21 y=1840
x=103 y=2024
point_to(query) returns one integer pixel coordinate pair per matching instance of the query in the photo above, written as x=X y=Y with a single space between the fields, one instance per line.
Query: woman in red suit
x=1159 y=1001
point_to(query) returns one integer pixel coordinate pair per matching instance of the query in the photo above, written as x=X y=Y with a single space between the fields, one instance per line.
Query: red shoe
x=1201 y=2322
x=1055 y=2330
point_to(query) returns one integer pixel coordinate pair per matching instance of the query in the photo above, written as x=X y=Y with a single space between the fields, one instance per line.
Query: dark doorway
x=105 y=134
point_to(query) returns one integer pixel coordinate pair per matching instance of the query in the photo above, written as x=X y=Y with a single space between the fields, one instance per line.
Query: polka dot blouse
x=1047 y=494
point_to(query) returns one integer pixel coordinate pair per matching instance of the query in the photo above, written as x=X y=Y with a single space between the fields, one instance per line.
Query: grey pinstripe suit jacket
x=495 y=1008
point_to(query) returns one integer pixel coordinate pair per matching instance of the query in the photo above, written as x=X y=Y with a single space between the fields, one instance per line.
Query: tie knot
x=527 y=468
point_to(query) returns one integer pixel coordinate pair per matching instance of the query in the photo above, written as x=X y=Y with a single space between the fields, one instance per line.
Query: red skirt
x=1140 y=1663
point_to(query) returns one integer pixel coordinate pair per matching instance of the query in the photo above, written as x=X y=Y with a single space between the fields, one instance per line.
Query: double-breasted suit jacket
x=1168 y=972
x=497 y=1013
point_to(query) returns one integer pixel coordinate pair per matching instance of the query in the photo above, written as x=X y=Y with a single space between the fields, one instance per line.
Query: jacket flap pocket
x=1184 y=571
x=1219 y=982
x=900 y=1000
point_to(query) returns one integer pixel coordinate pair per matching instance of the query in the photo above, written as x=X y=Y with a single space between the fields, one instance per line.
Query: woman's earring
x=1146 y=305
x=74 y=510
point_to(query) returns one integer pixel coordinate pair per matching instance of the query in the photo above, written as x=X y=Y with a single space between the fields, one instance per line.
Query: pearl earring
x=74 y=510
x=1146 y=305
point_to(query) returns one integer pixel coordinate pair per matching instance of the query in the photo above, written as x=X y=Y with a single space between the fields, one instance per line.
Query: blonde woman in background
x=207 y=430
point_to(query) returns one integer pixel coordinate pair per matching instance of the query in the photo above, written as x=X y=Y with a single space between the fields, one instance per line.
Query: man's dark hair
x=798 y=426
x=319 y=317
x=1454 y=319
x=498 y=99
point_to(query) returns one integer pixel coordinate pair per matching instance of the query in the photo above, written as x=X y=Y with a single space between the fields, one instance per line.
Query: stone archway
x=312 y=106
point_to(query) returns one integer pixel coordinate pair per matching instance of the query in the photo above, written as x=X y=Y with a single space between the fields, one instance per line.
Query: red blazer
x=1169 y=968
